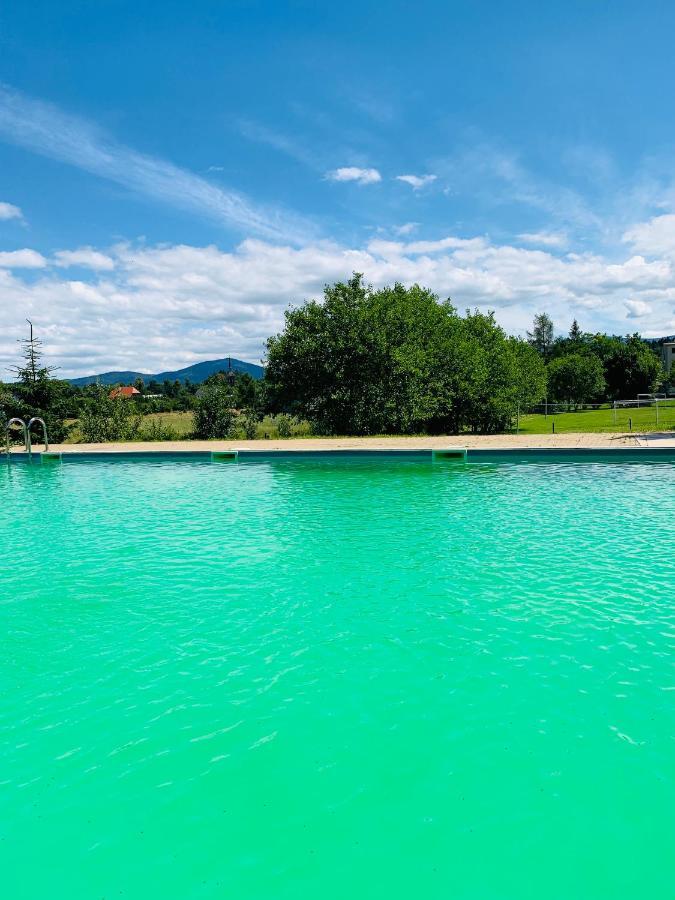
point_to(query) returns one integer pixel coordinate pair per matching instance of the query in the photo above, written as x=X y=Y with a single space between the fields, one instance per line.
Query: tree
x=37 y=393
x=32 y=372
x=541 y=336
x=245 y=391
x=576 y=378
x=530 y=374
x=631 y=368
x=575 y=331
x=213 y=417
x=106 y=418
x=365 y=361
x=396 y=361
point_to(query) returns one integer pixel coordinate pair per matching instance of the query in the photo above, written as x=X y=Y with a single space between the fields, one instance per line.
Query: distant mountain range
x=661 y=340
x=196 y=374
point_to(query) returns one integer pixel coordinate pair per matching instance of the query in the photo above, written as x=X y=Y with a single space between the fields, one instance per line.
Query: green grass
x=182 y=424
x=585 y=420
x=602 y=420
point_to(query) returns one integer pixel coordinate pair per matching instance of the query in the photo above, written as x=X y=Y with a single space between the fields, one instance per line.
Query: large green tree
x=576 y=378
x=631 y=368
x=395 y=360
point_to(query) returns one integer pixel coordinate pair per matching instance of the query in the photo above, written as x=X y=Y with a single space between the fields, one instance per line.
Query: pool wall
x=441 y=455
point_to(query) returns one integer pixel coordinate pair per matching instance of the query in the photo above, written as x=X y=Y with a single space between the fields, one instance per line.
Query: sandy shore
x=492 y=442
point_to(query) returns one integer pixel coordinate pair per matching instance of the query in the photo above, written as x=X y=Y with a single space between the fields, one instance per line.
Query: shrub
x=249 y=427
x=213 y=416
x=158 y=430
x=105 y=418
x=284 y=426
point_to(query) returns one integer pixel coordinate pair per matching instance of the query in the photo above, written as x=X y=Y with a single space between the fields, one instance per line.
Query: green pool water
x=337 y=678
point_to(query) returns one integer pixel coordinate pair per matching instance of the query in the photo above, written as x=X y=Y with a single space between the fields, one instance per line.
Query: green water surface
x=337 y=678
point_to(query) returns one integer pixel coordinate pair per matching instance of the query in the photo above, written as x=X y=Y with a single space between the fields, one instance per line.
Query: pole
x=518 y=419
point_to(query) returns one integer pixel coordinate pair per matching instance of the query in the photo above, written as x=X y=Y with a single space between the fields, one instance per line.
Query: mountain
x=196 y=373
x=661 y=340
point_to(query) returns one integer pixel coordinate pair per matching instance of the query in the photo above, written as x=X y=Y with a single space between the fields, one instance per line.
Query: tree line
x=399 y=361
x=585 y=368
x=391 y=361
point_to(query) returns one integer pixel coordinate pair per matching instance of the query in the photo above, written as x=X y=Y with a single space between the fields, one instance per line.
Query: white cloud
x=46 y=130
x=406 y=229
x=22 y=259
x=162 y=307
x=637 y=308
x=9 y=211
x=86 y=257
x=416 y=181
x=389 y=249
x=353 y=173
x=544 y=239
x=654 y=237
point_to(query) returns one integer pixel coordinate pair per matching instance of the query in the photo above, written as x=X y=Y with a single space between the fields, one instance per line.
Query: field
x=181 y=424
x=605 y=419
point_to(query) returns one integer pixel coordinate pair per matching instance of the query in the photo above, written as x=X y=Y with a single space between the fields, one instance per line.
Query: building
x=668 y=354
x=124 y=392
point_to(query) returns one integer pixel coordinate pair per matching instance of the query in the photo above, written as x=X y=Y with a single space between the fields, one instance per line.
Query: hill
x=196 y=373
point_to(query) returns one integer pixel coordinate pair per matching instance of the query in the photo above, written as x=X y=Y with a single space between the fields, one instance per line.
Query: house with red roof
x=124 y=392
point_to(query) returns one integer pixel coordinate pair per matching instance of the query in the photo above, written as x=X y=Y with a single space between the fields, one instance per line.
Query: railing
x=25 y=428
x=646 y=414
x=26 y=438
x=39 y=421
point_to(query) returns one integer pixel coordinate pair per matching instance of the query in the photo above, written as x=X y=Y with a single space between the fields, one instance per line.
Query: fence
x=649 y=414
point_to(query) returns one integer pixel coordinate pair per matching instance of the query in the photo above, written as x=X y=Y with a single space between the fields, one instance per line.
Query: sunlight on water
x=326 y=678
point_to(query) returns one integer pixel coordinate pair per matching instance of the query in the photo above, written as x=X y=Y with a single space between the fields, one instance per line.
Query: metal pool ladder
x=8 y=427
x=26 y=433
x=37 y=420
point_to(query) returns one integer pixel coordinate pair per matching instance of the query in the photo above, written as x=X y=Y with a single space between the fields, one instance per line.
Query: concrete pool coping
x=470 y=442
x=477 y=446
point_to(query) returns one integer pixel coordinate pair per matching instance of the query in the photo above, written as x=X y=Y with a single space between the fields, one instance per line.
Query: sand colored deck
x=476 y=442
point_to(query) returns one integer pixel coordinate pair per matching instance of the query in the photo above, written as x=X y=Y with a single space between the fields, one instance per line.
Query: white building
x=668 y=354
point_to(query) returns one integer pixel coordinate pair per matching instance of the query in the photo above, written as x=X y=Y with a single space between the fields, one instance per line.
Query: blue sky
x=173 y=175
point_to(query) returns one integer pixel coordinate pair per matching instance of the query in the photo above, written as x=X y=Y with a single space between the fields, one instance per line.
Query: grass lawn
x=585 y=420
x=642 y=419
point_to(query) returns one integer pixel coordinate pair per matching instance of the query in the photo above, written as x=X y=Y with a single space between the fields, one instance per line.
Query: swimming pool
x=294 y=678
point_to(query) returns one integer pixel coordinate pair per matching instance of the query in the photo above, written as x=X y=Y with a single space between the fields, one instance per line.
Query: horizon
x=218 y=359
x=241 y=157
x=137 y=372
x=259 y=363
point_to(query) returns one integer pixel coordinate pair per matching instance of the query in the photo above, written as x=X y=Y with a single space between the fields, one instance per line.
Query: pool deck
x=470 y=442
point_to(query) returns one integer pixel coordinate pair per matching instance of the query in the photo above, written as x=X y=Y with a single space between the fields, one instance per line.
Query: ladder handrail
x=26 y=438
x=44 y=431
